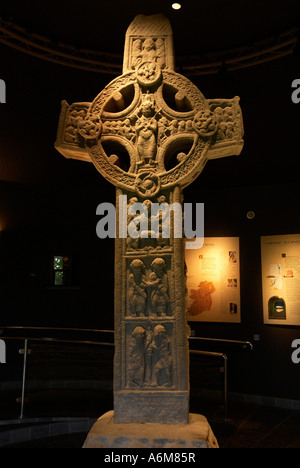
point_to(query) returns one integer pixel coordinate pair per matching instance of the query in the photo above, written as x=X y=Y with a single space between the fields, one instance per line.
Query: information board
x=280 y=259
x=213 y=281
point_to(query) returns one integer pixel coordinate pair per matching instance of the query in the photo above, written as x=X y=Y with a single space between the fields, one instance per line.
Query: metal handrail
x=20 y=327
x=24 y=378
x=25 y=352
x=191 y=338
x=101 y=343
x=223 y=340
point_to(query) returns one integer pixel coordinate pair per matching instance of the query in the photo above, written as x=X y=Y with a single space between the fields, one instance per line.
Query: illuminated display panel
x=213 y=281
x=280 y=259
x=61 y=272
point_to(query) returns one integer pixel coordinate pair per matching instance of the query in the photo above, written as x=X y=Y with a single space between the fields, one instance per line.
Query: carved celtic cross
x=150 y=132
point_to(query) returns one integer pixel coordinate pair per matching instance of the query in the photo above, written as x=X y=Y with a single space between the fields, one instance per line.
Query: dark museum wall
x=48 y=207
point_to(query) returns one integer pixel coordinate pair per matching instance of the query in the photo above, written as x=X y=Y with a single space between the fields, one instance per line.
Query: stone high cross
x=150 y=132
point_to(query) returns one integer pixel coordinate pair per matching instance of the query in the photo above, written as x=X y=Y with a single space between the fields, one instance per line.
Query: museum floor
x=248 y=425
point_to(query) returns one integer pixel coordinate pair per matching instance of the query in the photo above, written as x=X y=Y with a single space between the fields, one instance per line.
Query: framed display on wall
x=213 y=281
x=280 y=260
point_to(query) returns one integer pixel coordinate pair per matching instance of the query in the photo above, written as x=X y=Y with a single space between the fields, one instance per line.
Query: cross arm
x=228 y=140
x=69 y=142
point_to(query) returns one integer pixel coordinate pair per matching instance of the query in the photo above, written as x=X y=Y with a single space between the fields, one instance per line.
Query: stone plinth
x=107 y=434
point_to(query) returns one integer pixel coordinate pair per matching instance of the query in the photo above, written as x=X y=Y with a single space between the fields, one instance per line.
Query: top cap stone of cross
x=149 y=38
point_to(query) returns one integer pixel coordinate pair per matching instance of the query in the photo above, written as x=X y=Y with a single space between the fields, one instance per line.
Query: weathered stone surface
x=150 y=132
x=107 y=434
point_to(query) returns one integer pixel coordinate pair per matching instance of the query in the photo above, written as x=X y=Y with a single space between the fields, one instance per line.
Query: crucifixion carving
x=150 y=133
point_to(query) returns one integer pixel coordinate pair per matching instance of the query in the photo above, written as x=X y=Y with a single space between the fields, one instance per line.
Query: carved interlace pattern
x=149 y=127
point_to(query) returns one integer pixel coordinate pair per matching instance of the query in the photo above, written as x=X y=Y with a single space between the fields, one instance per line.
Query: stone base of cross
x=150 y=132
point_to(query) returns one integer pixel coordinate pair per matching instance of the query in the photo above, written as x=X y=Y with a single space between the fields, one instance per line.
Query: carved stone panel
x=150 y=40
x=148 y=222
x=148 y=291
x=149 y=355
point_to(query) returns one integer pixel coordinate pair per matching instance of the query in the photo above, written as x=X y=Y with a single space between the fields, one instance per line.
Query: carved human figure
x=163 y=128
x=226 y=123
x=127 y=129
x=174 y=127
x=148 y=50
x=158 y=284
x=132 y=242
x=136 y=366
x=136 y=52
x=137 y=296
x=228 y=114
x=161 y=360
x=160 y=52
x=148 y=355
x=146 y=129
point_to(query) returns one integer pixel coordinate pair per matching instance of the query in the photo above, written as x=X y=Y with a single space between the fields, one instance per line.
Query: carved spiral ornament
x=90 y=128
x=206 y=124
x=147 y=184
x=148 y=73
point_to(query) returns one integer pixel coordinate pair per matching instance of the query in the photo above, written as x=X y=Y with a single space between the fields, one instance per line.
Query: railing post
x=24 y=378
x=225 y=387
x=224 y=357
